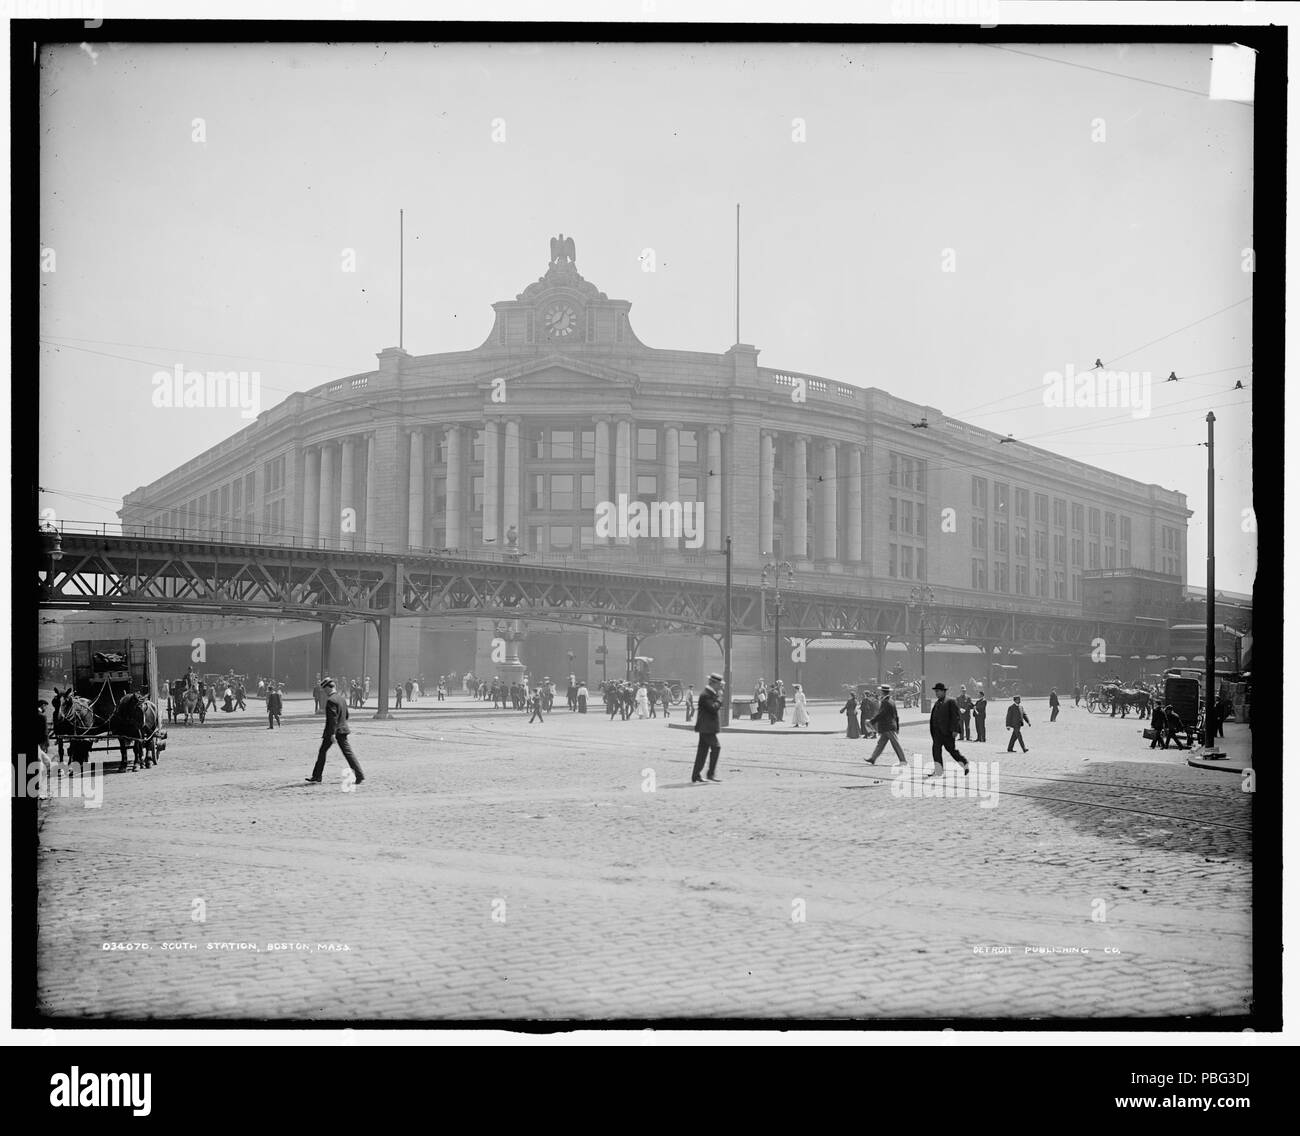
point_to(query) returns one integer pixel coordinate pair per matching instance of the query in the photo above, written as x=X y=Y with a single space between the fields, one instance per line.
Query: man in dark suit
x=1055 y=703
x=336 y=729
x=1158 y=727
x=706 y=725
x=945 y=729
x=965 y=705
x=274 y=706
x=1016 y=717
x=980 y=712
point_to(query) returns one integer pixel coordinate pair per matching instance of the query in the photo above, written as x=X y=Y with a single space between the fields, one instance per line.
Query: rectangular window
x=588 y=445
x=561 y=538
x=893 y=473
x=688 y=490
x=979 y=493
x=237 y=496
x=906 y=569
x=1022 y=503
x=440 y=497
x=587 y=536
x=647 y=443
x=647 y=487
x=250 y=487
x=893 y=514
x=1076 y=586
x=561 y=445
x=908 y=473
x=1094 y=555
x=1094 y=522
x=688 y=447
x=273 y=474
x=979 y=537
x=1040 y=508
x=538 y=446
x=920 y=520
x=1022 y=579
x=1058 y=547
x=1002 y=577
x=1040 y=545
x=920 y=563
x=1000 y=496
x=476 y=495
x=588 y=490
x=920 y=475
x=537 y=498
x=1041 y=587
x=1058 y=586
x=562 y=493
x=1076 y=518
x=893 y=560
x=1000 y=537
x=1110 y=526
x=476 y=446
x=906 y=522
x=1125 y=558
x=979 y=579
x=1022 y=542
x=1110 y=557
x=1125 y=530
x=224 y=508
x=1058 y=512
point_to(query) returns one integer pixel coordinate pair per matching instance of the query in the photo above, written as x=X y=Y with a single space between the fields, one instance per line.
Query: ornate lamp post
x=777 y=570
x=921 y=601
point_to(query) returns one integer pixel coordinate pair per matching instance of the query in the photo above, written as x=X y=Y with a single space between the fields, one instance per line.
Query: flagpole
x=401 y=278
x=737 y=271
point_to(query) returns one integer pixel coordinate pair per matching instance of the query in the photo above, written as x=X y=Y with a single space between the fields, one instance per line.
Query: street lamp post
x=920 y=602
x=777 y=568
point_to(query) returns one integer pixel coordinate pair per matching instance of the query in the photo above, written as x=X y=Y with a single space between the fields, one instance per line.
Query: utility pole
x=1207 y=738
x=726 y=647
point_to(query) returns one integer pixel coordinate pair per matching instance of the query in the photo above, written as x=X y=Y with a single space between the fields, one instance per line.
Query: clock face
x=560 y=320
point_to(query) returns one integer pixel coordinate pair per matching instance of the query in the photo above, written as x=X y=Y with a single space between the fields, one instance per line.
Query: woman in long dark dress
x=850 y=709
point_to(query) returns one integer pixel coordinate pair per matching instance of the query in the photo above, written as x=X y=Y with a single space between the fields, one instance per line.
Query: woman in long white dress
x=800 y=708
x=642 y=703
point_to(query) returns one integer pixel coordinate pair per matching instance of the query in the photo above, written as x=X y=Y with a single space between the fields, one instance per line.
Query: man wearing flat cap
x=945 y=729
x=336 y=730
x=706 y=725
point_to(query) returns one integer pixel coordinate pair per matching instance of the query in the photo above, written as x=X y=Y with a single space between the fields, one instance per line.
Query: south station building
x=562 y=417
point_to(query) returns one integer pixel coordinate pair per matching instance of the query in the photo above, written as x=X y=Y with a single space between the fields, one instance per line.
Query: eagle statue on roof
x=562 y=250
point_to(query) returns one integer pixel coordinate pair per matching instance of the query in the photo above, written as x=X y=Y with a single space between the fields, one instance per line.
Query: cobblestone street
x=488 y=869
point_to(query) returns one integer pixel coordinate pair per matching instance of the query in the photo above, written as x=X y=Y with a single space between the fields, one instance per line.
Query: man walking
x=945 y=729
x=1076 y=694
x=980 y=713
x=1055 y=703
x=706 y=725
x=690 y=703
x=1158 y=726
x=274 y=706
x=535 y=704
x=336 y=730
x=886 y=723
x=1016 y=717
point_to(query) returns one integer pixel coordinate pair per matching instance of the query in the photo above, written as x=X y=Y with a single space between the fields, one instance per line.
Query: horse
x=190 y=703
x=1123 y=698
x=74 y=718
x=135 y=719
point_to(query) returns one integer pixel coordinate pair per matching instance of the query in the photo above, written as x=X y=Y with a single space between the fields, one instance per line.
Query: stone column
x=329 y=521
x=371 y=532
x=829 y=518
x=415 y=492
x=766 y=496
x=347 y=492
x=798 y=510
x=511 y=478
x=491 y=482
x=453 y=538
x=671 y=489
x=854 y=551
x=602 y=465
x=713 y=499
x=622 y=465
x=311 y=497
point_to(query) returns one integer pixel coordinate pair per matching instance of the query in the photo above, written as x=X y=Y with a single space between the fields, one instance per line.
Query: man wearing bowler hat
x=336 y=730
x=945 y=729
x=706 y=725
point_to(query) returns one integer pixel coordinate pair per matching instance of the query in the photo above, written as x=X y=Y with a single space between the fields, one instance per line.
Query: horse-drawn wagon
x=112 y=702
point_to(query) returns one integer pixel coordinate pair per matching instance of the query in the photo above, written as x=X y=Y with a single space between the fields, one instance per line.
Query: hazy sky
x=227 y=254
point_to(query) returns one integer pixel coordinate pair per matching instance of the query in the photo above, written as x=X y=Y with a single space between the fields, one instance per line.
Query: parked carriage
x=112 y=702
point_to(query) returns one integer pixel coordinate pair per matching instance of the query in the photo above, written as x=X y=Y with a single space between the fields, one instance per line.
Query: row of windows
x=229 y=506
x=906 y=562
x=906 y=516
x=580 y=445
x=1004 y=497
x=907 y=473
x=1026 y=583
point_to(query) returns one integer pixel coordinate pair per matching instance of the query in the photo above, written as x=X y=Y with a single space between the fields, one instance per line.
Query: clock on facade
x=560 y=320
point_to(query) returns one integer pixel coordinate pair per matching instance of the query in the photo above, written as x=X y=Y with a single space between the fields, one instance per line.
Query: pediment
x=556 y=371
